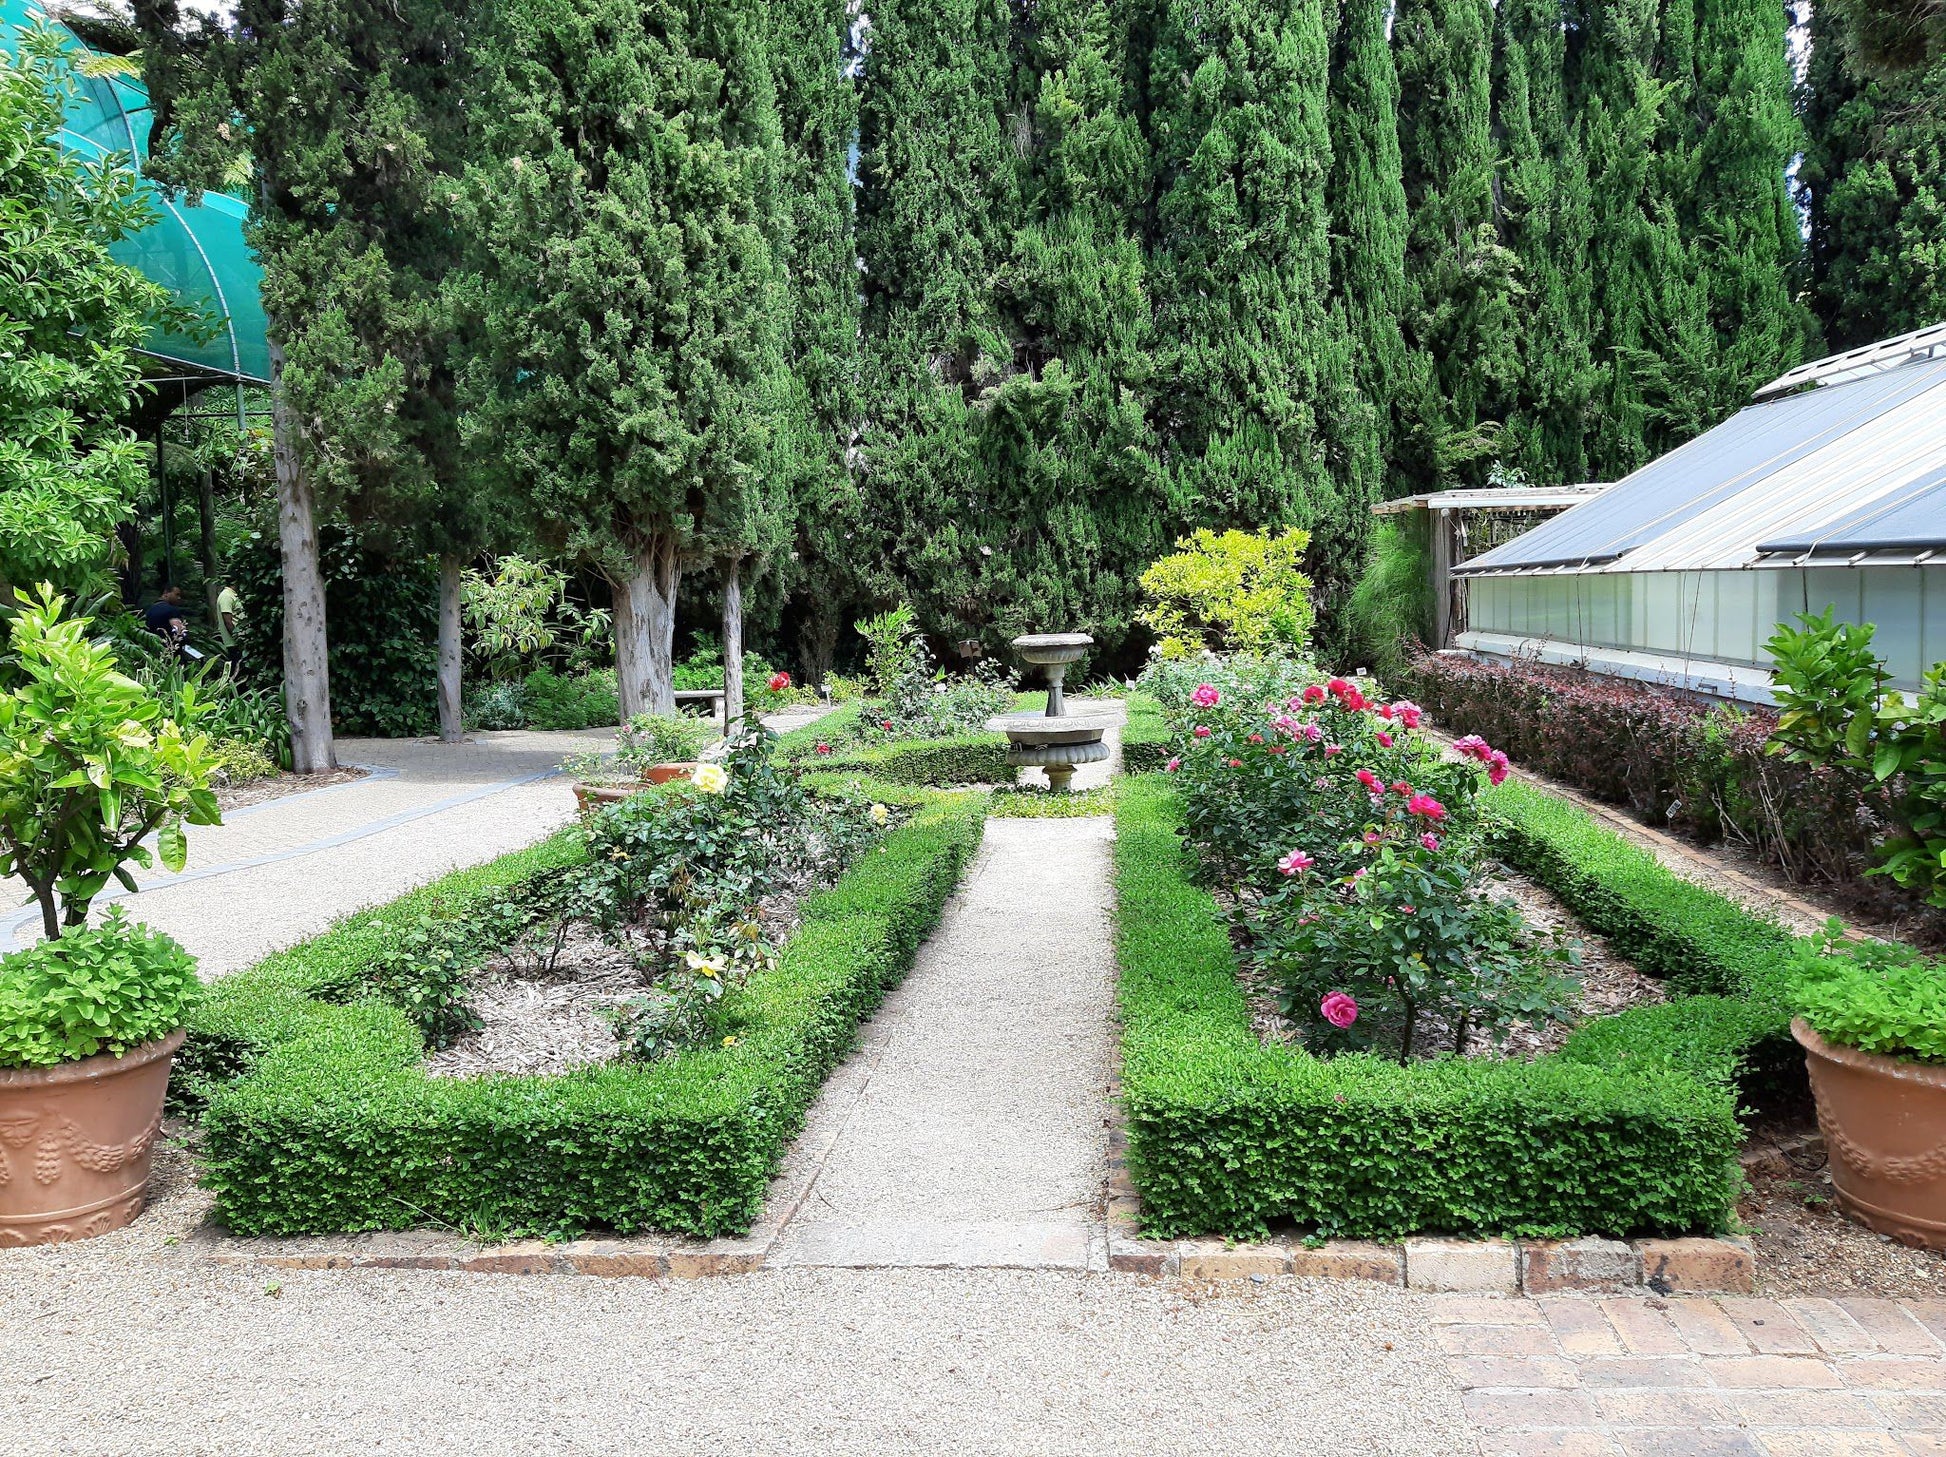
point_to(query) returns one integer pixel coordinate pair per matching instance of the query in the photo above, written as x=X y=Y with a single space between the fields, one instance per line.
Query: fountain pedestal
x=1055 y=741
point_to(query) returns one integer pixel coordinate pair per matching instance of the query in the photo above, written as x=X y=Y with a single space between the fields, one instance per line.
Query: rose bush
x=1348 y=848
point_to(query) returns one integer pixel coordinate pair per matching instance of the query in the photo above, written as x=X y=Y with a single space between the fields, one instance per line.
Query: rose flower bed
x=1347 y=861
x=316 y=1069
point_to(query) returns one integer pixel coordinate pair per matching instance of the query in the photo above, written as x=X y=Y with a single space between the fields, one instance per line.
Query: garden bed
x=1629 y=1129
x=322 y=1118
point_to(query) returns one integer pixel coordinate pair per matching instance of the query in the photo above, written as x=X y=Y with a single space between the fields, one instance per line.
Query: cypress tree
x=1545 y=220
x=818 y=107
x=1873 y=185
x=1255 y=402
x=1368 y=230
x=629 y=237
x=937 y=214
x=1461 y=282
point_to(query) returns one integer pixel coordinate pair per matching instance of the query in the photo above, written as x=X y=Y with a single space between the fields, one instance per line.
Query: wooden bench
x=712 y=696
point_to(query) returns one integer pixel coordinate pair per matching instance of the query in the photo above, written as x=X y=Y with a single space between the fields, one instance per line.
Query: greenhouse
x=1829 y=490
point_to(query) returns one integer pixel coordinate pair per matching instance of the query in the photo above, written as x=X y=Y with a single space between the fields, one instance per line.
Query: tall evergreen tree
x=343 y=115
x=1255 y=403
x=818 y=104
x=1873 y=185
x=629 y=236
x=1462 y=284
x=937 y=214
x=1545 y=221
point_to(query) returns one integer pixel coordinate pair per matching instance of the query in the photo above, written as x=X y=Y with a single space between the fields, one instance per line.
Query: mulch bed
x=277 y=786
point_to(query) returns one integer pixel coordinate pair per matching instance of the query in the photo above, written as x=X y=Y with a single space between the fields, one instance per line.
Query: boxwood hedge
x=1630 y=1130
x=969 y=758
x=319 y=1117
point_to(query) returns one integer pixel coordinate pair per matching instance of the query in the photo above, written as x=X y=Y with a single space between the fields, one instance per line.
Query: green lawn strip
x=1146 y=741
x=1227 y=1136
x=331 y=1124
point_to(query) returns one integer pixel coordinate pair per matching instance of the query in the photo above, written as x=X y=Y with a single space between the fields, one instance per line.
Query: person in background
x=164 y=618
x=228 y=610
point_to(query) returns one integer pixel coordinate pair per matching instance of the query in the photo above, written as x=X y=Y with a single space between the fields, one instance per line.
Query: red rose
x=779 y=682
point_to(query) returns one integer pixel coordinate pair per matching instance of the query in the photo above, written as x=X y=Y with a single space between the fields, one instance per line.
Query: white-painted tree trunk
x=645 y=630
x=732 y=642
x=307 y=664
x=449 y=650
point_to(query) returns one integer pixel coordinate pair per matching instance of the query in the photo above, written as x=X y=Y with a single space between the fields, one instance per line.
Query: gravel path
x=969 y=1129
x=110 y=1358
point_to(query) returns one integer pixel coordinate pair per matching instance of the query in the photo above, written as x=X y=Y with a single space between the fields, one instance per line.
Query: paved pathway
x=969 y=1130
x=1643 y=1377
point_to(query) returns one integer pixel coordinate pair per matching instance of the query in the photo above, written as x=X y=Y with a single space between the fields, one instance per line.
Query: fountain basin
x=1044 y=648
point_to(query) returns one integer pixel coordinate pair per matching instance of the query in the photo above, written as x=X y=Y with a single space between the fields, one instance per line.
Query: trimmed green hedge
x=320 y=1118
x=1227 y=1136
x=970 y=758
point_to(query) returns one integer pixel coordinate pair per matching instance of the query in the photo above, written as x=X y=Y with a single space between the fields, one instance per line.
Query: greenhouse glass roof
x=1840 y=470
x=197 y=251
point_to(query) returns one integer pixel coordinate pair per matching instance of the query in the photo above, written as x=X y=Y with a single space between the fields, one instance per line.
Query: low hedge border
x=1733 y=1026
x=1227 y=1136
x=969 y=758
x=329 y=1124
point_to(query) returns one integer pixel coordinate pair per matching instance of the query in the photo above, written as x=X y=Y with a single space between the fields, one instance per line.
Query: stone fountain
x=1056 y=741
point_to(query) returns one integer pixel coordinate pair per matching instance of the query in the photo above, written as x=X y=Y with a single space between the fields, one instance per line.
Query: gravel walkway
x=969 y=1129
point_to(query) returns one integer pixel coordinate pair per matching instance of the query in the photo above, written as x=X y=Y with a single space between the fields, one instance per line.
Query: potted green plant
x=651 y=748
x=90 y=767
x=1872 y=1022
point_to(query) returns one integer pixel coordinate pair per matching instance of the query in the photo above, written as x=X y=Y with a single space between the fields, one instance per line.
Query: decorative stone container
x=1884 y=1121
x=76 y=1141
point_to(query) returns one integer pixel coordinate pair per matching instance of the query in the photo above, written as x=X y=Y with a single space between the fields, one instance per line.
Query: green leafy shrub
x=104 y=989
x=550 y=700
x=497 y=705
x=1235 y=592
x=241 y=761
x=522 y=617
x=320 y=1118
x=1228 y=1136
x=1872 y=995
x=423 y=970
x=90 y=767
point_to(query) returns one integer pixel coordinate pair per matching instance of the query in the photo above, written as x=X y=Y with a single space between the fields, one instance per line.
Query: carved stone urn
x=76 y=1142
x=1884 y=1122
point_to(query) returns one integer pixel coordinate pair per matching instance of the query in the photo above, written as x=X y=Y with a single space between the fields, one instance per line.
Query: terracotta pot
x=1884 y=1120
x=586 y=796
x=76 y=1141
x=663 y=773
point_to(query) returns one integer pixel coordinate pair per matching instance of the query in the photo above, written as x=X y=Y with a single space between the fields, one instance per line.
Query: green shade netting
x=197 y=251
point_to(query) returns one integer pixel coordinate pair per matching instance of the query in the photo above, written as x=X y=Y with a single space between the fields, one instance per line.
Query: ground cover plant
x=319 y=1112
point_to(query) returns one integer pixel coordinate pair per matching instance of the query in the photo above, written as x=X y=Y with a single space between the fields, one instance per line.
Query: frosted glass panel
x=1892 y=605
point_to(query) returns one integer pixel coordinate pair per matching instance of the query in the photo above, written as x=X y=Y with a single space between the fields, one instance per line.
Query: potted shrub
x=651 y=749
x=89 y=767
x=88 y=1026
x=1872 y=1021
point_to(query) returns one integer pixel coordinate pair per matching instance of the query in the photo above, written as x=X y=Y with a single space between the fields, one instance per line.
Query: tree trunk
x=206 y=519
x=732 y=642
x=645 y=630
x=307 y=667
x=449 y=650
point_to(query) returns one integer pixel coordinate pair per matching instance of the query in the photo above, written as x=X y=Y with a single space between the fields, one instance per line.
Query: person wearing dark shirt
x=164 y=617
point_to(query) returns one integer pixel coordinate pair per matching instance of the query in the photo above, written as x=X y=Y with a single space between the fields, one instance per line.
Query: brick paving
x=1716 y=1376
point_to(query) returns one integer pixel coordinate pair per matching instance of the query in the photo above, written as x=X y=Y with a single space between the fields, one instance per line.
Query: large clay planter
x=76 y=1141
x=1884 y=1121
x=589 y=796
x=663 y=773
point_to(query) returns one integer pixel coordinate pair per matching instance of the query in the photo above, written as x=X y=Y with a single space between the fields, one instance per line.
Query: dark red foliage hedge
x=1674 y=758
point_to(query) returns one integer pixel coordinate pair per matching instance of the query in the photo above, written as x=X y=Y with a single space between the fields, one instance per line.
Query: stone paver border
x=1699 y=1377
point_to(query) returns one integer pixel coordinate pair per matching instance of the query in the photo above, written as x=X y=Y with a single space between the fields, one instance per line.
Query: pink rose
x=1331 y=750
x=823 y=749
x=1172 y=766
x=1295 y=862
x=1354 y=700
x=1384 y=738
x=1368 y=779
x=1425 y=806
x=1314 y=694
x=1372 y=837
x=1202 y=731
x=1256 y=738
x=1339 y=686
x=1399 y=786
x=1429 y=840
x=1279 y=749
x=1339 y=1009
x=1497 y=767
x=1236 y=763
x=1409 y=714
x=1473 y=747
x=1205 y=696
x=885 y=723
x=1385 y=712
x=1313 y=733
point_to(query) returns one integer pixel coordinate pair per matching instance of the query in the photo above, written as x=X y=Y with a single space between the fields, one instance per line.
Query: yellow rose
x=880 y=814
x=710 y=778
